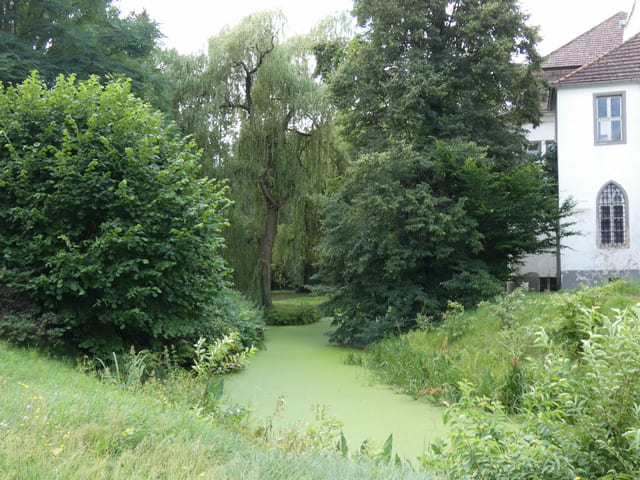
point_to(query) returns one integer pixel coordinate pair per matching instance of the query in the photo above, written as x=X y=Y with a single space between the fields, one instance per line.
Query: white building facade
x=598 y=133
x=594 y=118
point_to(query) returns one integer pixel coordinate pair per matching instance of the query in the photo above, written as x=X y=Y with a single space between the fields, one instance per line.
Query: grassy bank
x=59 y=423
x=486 y=345
x=542 y=386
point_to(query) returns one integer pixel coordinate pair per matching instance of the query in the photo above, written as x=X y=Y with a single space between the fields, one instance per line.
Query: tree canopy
x=442 y=203
x=107 y=237
x=264 y=122
x=429 y=69
x=81 y=37
x=407 y=232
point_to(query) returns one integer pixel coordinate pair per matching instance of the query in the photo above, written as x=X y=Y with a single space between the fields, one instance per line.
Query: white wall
x=542 y=264
x=584 y=168
x=545 y=131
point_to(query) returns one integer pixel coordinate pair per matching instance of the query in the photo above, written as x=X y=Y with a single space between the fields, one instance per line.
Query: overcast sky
x=188 y=24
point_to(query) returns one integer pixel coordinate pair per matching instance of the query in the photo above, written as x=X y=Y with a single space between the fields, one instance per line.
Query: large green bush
x=107 y=236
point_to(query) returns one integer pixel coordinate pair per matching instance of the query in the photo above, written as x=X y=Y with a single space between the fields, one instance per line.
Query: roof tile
x=590 y=45
x=621 y=63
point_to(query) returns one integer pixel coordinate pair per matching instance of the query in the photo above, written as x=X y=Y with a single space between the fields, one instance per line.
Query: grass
x=486 y=345
x=57 y=422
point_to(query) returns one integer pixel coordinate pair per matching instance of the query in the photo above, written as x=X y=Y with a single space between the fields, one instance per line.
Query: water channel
x=299 y=364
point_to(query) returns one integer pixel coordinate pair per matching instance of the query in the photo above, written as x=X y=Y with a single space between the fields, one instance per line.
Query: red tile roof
x=590 y=45
x=621 y=63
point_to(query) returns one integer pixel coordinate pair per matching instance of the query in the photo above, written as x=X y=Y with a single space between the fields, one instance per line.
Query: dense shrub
x=579 y=416
x=285 y=314
x=571 y=332
x=236 y=314
x=105 y=229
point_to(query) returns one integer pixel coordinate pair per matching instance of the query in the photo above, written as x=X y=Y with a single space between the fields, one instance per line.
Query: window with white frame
x=612 y=216
x=609 y=118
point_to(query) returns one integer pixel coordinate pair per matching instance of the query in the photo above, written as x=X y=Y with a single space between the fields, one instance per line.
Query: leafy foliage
x=579 y=419
x=292 y=315
x=85 y=37
x=105 y=229
x=453 y=325
x=444 y=204
x=234 y=313
x=213 y=360
x=439 y=69
x=223 y=355
x=407 y=232
x=252 y=103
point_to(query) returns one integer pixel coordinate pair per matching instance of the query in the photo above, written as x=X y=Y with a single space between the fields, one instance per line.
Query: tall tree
x=83 y=37
x=444 y=203
x=264 y=122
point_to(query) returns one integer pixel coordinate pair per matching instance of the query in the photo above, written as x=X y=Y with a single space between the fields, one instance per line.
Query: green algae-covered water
x=298 y=364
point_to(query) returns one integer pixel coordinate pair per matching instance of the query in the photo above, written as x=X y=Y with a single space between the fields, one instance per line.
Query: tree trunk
x=266 y=252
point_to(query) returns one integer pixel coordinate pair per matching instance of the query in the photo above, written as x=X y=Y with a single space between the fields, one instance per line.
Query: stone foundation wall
x=576 y=278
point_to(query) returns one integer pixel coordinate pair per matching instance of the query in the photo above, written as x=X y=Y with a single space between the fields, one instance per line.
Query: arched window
x=612 y=216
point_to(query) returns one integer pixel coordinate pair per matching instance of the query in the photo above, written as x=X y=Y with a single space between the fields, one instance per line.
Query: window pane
x=609 y=127
x=618 y=231
x=534 y=148
x=604 y=129
x=605 y=231
x=618 y=211
x=616 y=130
x=615 y=107
x=602 y=107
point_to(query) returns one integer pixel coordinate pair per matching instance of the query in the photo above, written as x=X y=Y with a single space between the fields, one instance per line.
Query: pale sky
x=188 y=24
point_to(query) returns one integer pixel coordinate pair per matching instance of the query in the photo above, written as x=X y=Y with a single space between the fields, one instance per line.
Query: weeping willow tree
x=263 y=119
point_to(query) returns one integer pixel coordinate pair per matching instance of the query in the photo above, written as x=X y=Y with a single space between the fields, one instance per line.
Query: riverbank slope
x=59 y=423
